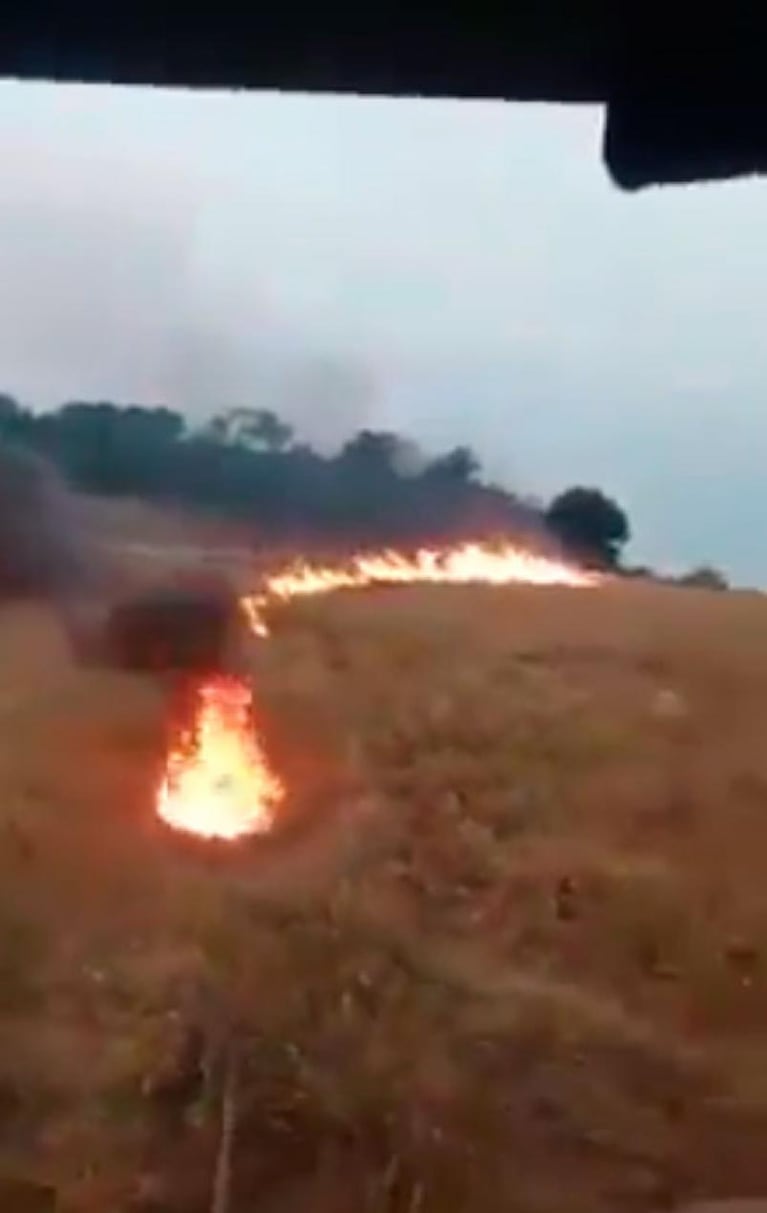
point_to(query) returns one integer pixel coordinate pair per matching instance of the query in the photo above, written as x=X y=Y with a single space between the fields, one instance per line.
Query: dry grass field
x=510 y=954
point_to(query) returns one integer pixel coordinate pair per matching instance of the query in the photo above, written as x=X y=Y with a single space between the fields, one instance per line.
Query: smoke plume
x=43 y=551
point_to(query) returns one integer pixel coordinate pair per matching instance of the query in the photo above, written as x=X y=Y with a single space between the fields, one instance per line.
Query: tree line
x=250 y=465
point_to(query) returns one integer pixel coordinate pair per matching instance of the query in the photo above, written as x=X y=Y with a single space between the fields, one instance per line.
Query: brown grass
x=515 y=959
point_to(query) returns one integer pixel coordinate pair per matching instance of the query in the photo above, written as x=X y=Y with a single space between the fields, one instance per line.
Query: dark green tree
x=257 y=429
x=379 y=488
x=706 y=577
x=371 y=451
x=459 y=466
x=10 y=409
x=590 y=526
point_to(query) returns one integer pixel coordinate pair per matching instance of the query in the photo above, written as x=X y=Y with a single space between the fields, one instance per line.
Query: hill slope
x=514 y=961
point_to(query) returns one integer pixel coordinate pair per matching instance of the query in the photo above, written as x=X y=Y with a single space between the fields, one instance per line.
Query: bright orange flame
x=465 y=564
x=217 y=782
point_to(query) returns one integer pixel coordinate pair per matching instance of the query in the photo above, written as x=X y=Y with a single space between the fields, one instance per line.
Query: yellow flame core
x=468 y=563
x=217 y=781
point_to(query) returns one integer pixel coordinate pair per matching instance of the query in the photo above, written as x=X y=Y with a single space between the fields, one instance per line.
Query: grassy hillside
x=509 y=955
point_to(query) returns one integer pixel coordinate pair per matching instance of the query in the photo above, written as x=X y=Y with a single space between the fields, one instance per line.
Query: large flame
x=464 y=564
x=217 y=782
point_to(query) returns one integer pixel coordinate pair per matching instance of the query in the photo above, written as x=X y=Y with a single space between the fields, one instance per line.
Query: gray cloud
x=462 y=271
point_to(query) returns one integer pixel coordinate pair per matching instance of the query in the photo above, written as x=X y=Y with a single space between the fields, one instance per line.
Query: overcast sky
x=463 y=272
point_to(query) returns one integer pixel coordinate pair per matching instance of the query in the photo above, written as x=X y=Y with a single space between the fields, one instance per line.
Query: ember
x=218 y=783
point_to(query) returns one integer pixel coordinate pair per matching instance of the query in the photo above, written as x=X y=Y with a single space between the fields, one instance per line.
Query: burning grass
x=218 y=783
x=519 y=965
x=501 y=563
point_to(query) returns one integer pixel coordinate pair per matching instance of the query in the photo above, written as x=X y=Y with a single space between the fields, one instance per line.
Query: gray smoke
x=47 y=554
x=325 y=396
x=43 y=551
